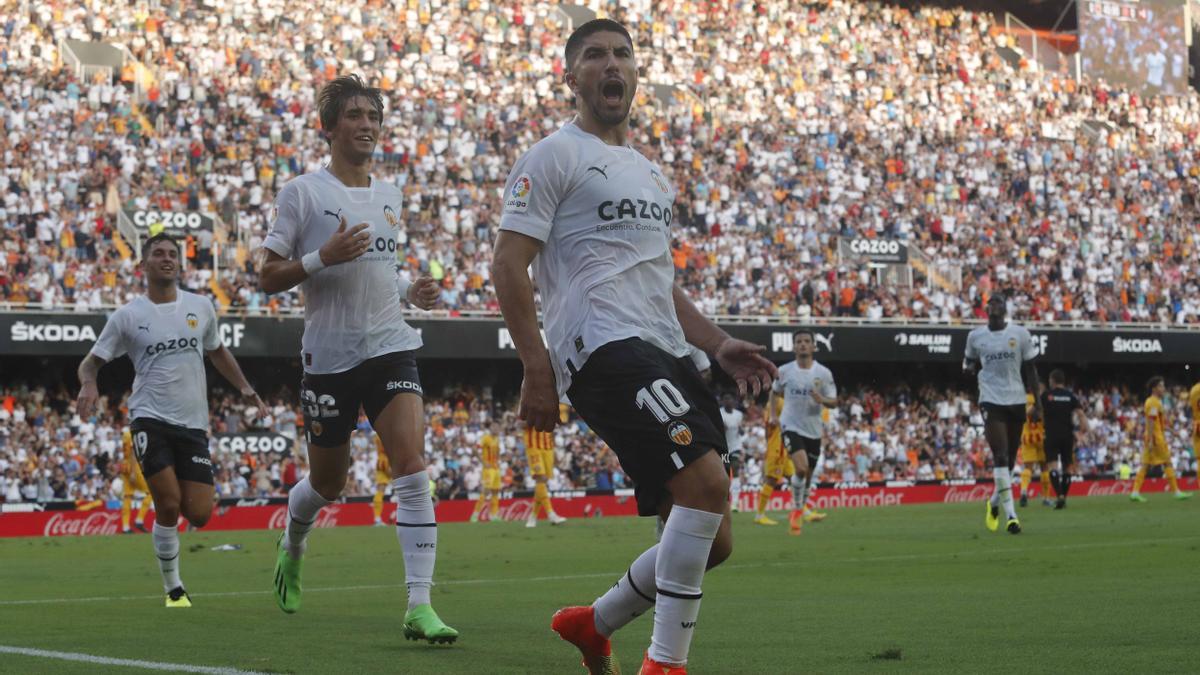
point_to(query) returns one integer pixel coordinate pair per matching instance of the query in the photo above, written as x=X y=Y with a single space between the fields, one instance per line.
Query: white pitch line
x=126 y=663
x=811 y=562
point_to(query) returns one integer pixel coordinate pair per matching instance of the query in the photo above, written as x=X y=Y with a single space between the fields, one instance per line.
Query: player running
x=167 y=332
x=731 y=417
x=807 y=389
x=132 y=483
x=1062 y=410
x=539 y=455
x=357 y=349
x=1001 y=354
x=1154 y=447
x=1033 y=454
x=778 y=467
x=489 y=486
x=593 y=217
x=383 y=476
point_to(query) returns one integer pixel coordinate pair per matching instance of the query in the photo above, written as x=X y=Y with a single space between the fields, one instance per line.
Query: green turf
x=1105 y=586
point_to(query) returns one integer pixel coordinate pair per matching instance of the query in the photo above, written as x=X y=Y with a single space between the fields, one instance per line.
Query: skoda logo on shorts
x=680 y=433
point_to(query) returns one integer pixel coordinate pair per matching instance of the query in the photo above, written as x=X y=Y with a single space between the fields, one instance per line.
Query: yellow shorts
x=541 y=462
x=1156 y=454
x=135 y=483
x=491 y=479
x=779 y=465
x=1033 y=453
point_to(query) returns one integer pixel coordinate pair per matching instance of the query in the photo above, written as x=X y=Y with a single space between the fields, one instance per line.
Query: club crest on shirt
x=518 y=195
x=660 y=182
x=680 y=433
x=192 y=321
x=1012 y=343
x=389 y=214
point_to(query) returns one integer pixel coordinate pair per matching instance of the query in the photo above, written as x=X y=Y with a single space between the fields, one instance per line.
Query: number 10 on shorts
x=663 y=400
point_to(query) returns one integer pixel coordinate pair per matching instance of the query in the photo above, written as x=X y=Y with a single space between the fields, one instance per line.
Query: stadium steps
x=218 y=293
x=121 y=246
x=919 y=264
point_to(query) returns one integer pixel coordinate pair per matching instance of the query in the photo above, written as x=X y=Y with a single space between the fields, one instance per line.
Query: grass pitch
x=1104 y=586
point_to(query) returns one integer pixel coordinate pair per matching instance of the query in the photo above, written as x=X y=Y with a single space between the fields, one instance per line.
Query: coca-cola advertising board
x=262 y=514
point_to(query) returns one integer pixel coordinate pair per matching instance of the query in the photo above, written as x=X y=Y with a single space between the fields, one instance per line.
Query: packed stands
x=799 y=122
x=898 y=433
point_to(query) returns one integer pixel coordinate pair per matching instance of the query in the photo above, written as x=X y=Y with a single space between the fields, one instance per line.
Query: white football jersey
x=605 y=273
x=733 y=428
x=801 y=414
x=1001 y=354
x=166 y=343
x=352 y=311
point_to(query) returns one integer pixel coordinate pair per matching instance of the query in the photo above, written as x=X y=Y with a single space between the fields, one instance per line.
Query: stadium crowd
x=799 y=122
x=47 y=452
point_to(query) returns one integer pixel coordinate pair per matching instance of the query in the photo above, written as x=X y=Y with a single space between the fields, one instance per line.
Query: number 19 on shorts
x=663 y=400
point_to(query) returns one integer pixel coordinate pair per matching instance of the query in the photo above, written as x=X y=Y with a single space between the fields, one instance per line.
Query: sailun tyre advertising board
x=69 y=334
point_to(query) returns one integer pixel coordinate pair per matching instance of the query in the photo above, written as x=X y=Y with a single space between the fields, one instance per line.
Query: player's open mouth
x=365 y=138
x=613 y=92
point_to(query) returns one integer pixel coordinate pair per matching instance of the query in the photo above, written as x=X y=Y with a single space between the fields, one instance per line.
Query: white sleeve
x=777 y=385
x=212 y=337
x=830 y=388
x=533 y=191
x=1028 y=351
x=287 y=222
x=700 y=359
x=111 y=343
x=971 y=353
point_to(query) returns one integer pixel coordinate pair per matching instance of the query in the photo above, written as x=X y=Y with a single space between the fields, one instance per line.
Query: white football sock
x=798 y=485
x=416 y=528
x=630 y=597
x=304 y=503
x=166 y=547
x=1003 y=478
x=678 y=572
x=735 y=489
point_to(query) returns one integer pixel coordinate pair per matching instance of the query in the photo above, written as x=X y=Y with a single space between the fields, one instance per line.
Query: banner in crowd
x=35 y=520
x=175 y=223
x=886 y=251
x=256 y=442
x=66 y=334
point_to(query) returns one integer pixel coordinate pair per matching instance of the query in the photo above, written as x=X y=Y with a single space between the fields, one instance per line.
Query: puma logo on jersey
x=336 y=216
x=599 y=170
x=145 y=328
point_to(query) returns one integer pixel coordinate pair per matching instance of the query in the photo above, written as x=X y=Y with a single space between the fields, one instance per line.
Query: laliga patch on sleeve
x=517 y=199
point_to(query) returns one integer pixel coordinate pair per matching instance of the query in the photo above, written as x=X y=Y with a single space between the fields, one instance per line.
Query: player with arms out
x=539 y=455
x=731 y=417
x=489 y=486
x=1062 y=411
x=383 y=477
x=132 y=482
x=778 y=467
x=807 y=389
x=1154 y=445
x=593 y=217
x=1001 y=354
x=1033 y=454
x=167 y=332
x=357 y=349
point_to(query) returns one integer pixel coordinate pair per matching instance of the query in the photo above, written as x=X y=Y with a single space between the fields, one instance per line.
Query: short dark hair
x=804 y=331
x=1154 y=382
x=1057 y=376
x=161 y=236
x=334 y=95
x=574 y=43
